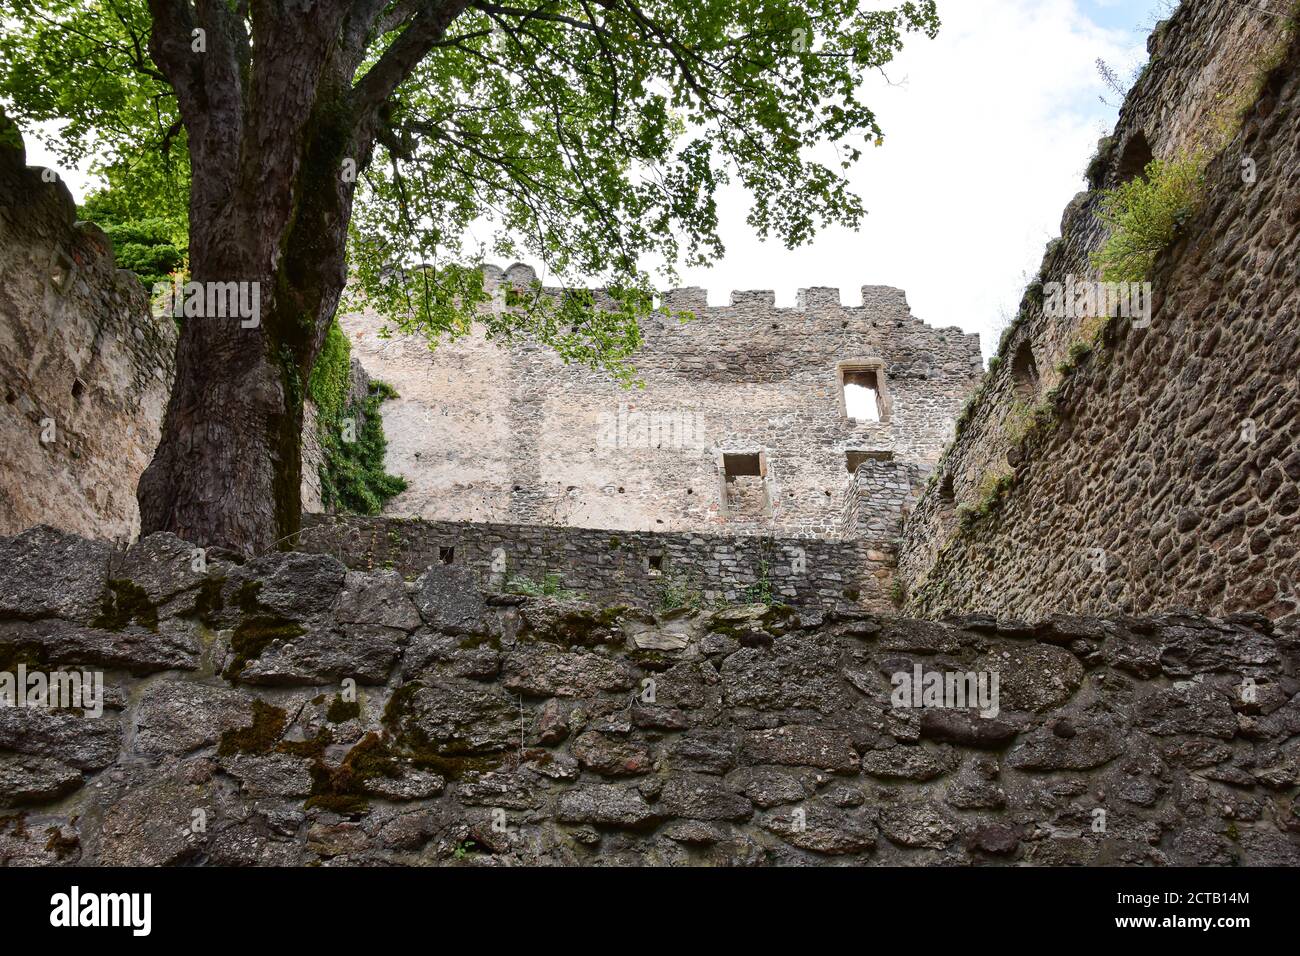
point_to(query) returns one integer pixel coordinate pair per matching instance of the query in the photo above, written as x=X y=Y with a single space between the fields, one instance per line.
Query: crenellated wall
x=1157 y=465
x=86 y=367
x=510 y=434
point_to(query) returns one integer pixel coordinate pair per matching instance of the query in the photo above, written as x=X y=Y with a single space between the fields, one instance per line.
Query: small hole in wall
x=11 y=397
x=78 y=388
x=690 y=491
x=946 y=493
x=517 y=488
x=446 y=555
x=828 y=494
x=620 y=491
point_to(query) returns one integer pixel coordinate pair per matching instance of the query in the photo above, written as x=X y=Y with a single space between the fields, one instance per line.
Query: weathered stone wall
x=500 y=730
x=86 y=367
x=642 y=568
x=510 y=434
x=1163 y=471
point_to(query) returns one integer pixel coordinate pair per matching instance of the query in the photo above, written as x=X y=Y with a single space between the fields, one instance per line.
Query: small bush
x=1145 y=215
x=677 y=591
x=549 y=586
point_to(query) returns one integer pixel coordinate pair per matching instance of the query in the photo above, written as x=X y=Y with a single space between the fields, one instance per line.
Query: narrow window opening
x=862 y=394
x=1024 y=372
x=946 y=493
x=446 y=555
x=743 y=491
x=78 y=388
x=655 y=565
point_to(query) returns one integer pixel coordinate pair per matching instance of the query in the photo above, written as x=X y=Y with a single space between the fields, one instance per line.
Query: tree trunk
x=228 y=469
x=276 y=144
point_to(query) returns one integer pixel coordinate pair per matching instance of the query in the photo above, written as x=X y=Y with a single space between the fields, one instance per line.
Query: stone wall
x=499 y=730
x=86 y=367
x=509 y=434
x=641 y=568
x=1158 y=466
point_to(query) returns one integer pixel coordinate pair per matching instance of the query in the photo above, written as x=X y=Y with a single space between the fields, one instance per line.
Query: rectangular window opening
x=862 y=394
x=655 y=565
x=446 y=555
x=741 y=464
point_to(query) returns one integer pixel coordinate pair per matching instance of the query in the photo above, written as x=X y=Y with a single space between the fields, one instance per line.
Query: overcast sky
x=988 y=129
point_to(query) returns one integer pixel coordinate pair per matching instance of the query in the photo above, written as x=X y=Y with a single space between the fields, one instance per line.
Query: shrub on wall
x=1145 y=215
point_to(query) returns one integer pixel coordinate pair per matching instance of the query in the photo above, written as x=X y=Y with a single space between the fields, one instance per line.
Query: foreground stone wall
x=646 y=569
x=86 y=367
x=509 y=434
x=1162 y=470
x=496 y=731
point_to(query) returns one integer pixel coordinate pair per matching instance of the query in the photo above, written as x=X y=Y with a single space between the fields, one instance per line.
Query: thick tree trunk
x=270 y=138
x=228 y=465
x=228 y=470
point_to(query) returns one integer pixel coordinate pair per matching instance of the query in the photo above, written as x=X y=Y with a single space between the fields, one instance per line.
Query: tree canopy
x=589 y=136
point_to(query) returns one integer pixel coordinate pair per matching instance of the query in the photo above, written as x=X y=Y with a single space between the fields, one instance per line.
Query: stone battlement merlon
x=878 y=301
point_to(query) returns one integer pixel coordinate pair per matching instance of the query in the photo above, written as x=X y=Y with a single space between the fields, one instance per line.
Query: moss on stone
x=61 y=846
x=208 y=601
x=258 y=738
x=122 y=603
x=343 y=789
x=451 y=760
x=253 y=636
x=340 y=710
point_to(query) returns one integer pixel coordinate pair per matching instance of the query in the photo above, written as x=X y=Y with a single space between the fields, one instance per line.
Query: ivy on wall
x=351 y=433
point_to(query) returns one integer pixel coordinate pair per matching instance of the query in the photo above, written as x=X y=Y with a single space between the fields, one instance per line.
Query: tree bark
x=269 y=138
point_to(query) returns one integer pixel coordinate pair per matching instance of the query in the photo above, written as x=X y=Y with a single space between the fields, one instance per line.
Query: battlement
x=879 y=302
x=745 y=422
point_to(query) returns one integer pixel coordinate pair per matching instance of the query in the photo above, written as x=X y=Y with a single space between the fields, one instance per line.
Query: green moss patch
x=253 y=636
x=259 y=738
x=340 y=710
x=122 y=603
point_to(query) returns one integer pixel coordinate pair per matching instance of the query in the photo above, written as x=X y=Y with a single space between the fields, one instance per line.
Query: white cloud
x=988 y=129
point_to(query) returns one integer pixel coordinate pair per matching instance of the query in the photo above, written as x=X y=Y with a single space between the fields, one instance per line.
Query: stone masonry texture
x=86 y=367
x=642 y=568
x=507 y=433
x=1169 y=471
x=290 y=711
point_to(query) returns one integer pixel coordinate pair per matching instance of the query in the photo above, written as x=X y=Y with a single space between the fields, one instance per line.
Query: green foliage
x=550 y=586
x=331 y=376
x=352 y=474
x=593 y=150
x=77 y=73
x=761 y=592
x=590 y=138
x=677 y=590
x=1144 y=216
x=145 y=247
x=992 y=488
